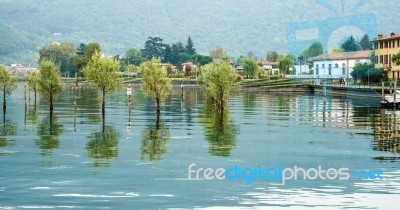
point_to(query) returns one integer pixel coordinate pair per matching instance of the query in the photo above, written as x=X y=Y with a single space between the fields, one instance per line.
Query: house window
x=376 y=59
x=330 y=71
x=323 y=65
x=386 y=59
x=336 y=65
x=381 y=45
x=317 y=71
x=381 y=59
x=344 y=71
x=330 y=66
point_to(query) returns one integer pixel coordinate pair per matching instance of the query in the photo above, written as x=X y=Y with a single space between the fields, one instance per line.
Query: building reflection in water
x=387 y=131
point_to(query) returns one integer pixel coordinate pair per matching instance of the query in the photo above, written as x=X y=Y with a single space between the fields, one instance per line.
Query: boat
x=389 y=98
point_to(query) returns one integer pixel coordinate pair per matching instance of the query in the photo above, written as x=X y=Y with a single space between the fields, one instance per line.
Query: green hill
x=239 y=26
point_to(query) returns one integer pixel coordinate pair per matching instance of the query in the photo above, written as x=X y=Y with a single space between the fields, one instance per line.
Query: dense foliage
x=365 y=73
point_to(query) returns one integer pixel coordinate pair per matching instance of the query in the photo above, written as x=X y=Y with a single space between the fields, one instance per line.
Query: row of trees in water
x=218 y=79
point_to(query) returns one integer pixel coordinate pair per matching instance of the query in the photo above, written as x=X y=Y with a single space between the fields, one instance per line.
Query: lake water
x=136 y=163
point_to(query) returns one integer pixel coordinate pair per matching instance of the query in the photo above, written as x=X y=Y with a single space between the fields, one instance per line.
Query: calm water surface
x=136 y=163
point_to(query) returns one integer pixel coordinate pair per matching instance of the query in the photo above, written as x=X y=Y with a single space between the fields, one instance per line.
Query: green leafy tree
x=396 y=59
x=349 y=45
x=156 y=83
x=84 y=54
x=284 y=64
x=81 y=49
x=365 y=73
x=190 y=47
x=102 y=73
x=176 y=54
x=61 y=54
x=365 y=43
x=250 y=67
x=133 y=56
x=313 y=50
x=272 y=56
x=33 y=79
x=201 y=60
x=153 y=47
x=219 y=81
x=8 y=83
x=49 y=83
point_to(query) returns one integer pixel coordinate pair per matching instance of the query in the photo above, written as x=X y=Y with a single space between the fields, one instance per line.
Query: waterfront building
x=385 y=47
x=336 y=65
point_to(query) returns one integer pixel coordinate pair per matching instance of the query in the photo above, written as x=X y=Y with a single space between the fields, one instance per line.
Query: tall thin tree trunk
x=158 y=105
x=4 y=99
x=103 y=105
x=51 y=103
x=34 y=90
x=158 y=121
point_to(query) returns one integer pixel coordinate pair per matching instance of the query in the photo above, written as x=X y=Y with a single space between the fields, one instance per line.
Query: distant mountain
x=239 y=26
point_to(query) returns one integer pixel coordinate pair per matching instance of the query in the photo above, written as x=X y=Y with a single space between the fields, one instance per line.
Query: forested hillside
x=239 y=26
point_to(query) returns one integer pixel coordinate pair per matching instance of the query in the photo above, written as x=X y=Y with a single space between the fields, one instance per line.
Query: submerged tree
x=49 y=82
x=102 y=73
x=156 y=83
x=33 y=79
x=8 y=83
x=219 y=81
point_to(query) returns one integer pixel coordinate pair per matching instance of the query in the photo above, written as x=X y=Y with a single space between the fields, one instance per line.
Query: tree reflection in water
x=220 y=130
x=8 y=128
x=48 y=132
x=154 y=142
x=103 y=145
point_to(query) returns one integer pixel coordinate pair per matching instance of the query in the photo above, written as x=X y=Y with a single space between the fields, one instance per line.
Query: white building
x=338 y=64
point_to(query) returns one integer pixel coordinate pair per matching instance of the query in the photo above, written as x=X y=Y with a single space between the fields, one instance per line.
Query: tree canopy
x=153 y=48
x=313 y=50
x=272 y=56
x=350 y=44
x=102 y=73
x=284 y=64
x=156 y=83
x=365 y=73
x=365 y=43
x=250 y=67
x=60 y=54
x=49 y=82
x=219 y=81
x=8 y=83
